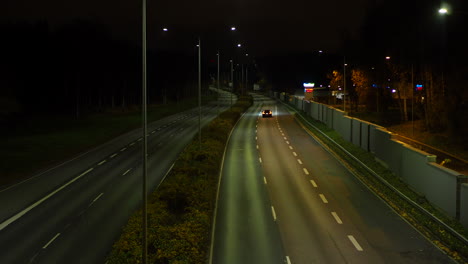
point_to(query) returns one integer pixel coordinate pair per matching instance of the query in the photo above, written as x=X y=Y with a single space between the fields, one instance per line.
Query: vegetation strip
x=446 y=233
x=180 y=211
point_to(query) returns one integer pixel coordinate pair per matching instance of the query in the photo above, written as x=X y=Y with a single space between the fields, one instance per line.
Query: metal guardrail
x=382 y=180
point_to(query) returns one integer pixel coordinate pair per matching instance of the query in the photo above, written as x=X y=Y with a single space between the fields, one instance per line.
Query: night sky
x=264 y=27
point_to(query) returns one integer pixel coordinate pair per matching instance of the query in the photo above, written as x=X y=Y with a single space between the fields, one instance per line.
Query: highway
x=73 y=212
x=322 y=213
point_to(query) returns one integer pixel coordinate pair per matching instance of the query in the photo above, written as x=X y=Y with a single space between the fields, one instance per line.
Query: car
x=267 y=113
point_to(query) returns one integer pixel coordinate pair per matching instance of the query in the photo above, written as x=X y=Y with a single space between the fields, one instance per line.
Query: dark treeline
x=79 y=68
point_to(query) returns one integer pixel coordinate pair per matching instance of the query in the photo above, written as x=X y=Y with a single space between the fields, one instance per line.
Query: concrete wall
x=464 y=204
x=417 y=168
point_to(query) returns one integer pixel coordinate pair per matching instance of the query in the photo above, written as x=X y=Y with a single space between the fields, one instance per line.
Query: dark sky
x=264 y=26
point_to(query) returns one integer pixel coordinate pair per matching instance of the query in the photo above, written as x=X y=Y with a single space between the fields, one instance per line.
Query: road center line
x=295 y=154
x=313 y=183
x=273 y=213
x=355 y=243
x=324 y=200
x=337 y=218
x=97 y=198
x=29 y=208
x=50 y=241
x=305 y=171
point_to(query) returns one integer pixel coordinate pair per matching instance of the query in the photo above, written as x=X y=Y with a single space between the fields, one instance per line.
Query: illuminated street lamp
x=233 y=28
x=443 y=11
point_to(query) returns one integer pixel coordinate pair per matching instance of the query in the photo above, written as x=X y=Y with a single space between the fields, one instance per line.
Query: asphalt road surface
x=74 y=212
x=274 y=172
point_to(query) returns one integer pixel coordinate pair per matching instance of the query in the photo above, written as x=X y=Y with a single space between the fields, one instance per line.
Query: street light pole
x=218 y=81
x=232 y=81
x=145 y=143
x=199 y=93
x=344 y=84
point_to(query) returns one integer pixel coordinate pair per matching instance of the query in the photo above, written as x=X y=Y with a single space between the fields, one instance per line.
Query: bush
x=181 y=209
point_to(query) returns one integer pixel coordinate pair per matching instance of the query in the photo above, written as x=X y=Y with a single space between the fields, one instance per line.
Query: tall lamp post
x=199 y=93
x=145 y=143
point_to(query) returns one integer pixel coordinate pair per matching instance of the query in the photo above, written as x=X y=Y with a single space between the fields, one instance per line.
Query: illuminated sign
x=419 y=87
x=308 y=90
x=308 y=85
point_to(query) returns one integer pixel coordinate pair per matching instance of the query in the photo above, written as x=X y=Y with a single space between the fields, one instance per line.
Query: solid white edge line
x=213 y=226
x=29 y=208
x=295 y=154
x=324 y=200
x=313 y=183
x=337 y=218
x=299 y=161
x=127 y=171
x=305 y=171
x=273 y=213
x=355 y=243
x=288 y=261
x=50 y=241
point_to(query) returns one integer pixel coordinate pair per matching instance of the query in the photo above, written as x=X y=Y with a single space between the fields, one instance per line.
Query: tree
x=361 y=81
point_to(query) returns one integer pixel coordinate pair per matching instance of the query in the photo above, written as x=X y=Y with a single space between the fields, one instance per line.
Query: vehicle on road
x=267 y=113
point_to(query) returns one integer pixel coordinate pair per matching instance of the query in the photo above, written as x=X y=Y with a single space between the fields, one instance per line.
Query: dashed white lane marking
x=97 y=198
x=171 y=135
x=284 y=138
x=290 y=147
x=313 y=183
x=295 y=154
x=264 y=180
x=260 y=159
x=305 y=171
x=123 y=149
x=282 y=134
x=287 y=142
x=102 y=162
x=140 y=139
x=159 y=128
x=255 y=138
x=133 y=143
x=355 y=243
x=255 y=130
x=337 y=218
x=50 y=241
x=273 y=213
x=29 y=208
x=257 y=146
x=287 y=260
x=127 y=172
x=299 y=161
x=324 y=200
x=113 y=155
x=152 y=132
